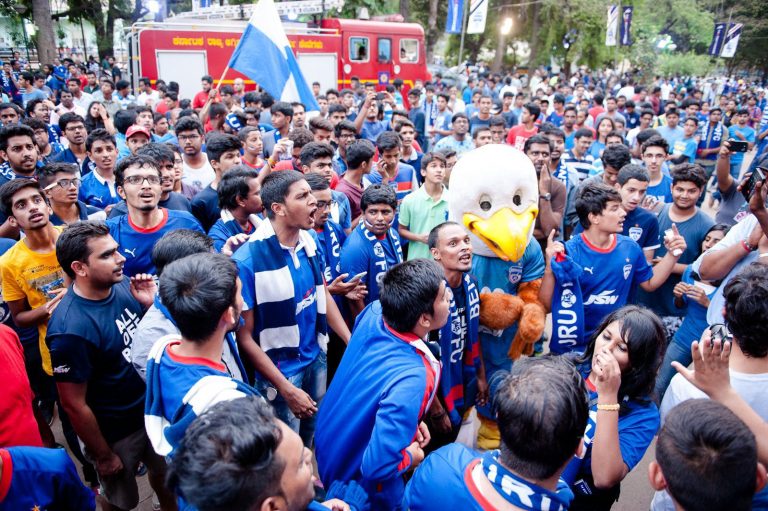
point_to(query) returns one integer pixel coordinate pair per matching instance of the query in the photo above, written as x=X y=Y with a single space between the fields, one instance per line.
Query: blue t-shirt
x=671 y=135
x=687 y=147
x=205 y=207
x=609 y=276
x=749 y=136
x=135 y=244
x=90 y=342
x=84 y=211
x=662 y=191
x=640 y=225
x=67 y=156
x=662 y=301
x=695 y=320
x=41 y=479
x=305 y=296
x=96 y=192
x=494 y=274
x=596 y=149
x=372 y=129
x=555 y=119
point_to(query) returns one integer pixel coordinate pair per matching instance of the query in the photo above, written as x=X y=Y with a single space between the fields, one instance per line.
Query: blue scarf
x=567 y=307
x=521 y=493
x=330 y=239
x=460 y=362
x=229 y=338
x=377 y=258
x=275 y=308
x=561 y=173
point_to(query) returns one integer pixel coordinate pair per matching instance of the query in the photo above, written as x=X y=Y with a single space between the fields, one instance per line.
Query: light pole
x=21 y=9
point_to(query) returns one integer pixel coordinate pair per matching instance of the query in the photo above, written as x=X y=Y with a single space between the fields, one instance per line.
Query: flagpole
x=463 y=28
x=218 y=84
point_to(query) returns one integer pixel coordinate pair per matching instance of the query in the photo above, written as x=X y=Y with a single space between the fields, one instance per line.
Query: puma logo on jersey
x=589 y=270
x=130 y=251
x=602 y=298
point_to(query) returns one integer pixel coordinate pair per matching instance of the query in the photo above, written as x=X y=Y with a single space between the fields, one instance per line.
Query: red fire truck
x=330 y=52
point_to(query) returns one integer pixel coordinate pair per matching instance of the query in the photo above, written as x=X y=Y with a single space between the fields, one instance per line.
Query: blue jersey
x=41 y=479
x=226 y=227
x=609 y=276
x=364 y=252
x=687 y=147
x=640 y=225
x=494 y=274
x=305 y=297
x=179 y=389
x=135 y=243
x=662 y=191
x=364 y=409
x=695 y=320
x=749 y=136
x=97 y=191
x=404 y=183
x=84 y=212
x=710 y=137
x=90 y=342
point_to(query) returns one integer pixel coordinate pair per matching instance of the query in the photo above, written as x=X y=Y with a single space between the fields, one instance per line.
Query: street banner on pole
x=612 y=26
x=717 y=39
x=626 y=26
x=455 y=15
x=731 y=40
x=478 y=9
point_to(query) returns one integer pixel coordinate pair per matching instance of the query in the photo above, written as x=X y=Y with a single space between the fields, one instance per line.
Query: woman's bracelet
x=609 y=408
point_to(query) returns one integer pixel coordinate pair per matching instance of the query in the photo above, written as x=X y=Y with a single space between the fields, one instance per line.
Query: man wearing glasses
x=198 y=171
x=61 y=185
x=73 y=128
x=139 y=183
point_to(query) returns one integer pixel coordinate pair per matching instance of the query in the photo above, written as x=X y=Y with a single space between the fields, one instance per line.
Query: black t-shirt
x=90 y=342
x=205 y=207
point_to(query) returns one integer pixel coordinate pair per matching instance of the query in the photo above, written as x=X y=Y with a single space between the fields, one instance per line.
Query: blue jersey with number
x=609 y=276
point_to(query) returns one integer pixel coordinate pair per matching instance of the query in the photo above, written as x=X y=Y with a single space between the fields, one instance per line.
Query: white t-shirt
x=198 y=177
x=753 y=388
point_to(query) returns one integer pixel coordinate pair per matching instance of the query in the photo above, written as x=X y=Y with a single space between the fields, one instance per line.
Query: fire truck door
x=384 y=61
x=178 y=66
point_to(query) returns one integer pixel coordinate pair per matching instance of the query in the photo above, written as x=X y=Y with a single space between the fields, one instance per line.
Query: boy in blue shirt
x=655 y=152
x=288 y=308
x=684 y=150
x=610 y=266
x=98 y=187
x=240 y=202
x=543 y=411
x=373 y=247
x=185 y=372
x=138 y=181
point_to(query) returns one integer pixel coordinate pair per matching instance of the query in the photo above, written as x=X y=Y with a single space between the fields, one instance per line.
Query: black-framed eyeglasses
x=321 y=204
x=64 y=183
x=138 y=180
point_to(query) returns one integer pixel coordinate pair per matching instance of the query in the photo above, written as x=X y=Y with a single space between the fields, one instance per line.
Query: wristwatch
x=546 y=196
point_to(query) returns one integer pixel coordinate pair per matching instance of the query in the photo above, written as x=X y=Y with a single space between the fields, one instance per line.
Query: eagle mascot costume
x=495 y=195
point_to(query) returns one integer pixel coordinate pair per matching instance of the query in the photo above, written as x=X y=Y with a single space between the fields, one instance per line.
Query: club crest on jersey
x=635 y=233
x=515 y=274
x=627 y=271
x=378 y=250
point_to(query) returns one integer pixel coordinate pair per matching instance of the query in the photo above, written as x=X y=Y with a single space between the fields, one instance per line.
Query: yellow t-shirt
x=34 y=276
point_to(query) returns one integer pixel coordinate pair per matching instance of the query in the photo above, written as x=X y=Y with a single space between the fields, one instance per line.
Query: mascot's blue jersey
x=494 y=274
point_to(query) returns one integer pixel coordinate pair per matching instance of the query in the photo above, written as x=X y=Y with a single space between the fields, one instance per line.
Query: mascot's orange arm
x=532 y=320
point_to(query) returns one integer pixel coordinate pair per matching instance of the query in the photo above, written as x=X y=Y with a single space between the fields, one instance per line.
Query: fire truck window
x=409 y=50
x=358 y=49
x=385 y=50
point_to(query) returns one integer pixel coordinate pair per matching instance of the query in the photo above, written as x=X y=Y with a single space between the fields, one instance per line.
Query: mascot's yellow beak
x=505 y=232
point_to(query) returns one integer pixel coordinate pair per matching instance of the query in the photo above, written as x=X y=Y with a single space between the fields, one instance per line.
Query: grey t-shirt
x=733 y=207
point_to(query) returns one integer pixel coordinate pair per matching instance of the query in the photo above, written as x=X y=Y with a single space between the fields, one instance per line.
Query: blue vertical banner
x=626 y=25
x=731 y=40
x=455 y=16
x=718 y=36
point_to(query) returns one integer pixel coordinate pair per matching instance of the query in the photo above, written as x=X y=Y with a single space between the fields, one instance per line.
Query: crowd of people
x=260 y=306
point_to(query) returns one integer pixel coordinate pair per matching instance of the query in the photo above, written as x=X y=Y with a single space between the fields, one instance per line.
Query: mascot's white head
x=495 y=195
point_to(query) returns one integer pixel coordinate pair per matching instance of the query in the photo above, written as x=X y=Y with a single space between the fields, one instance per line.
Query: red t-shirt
x=595 y=111
x=518 y=135
x=17 y=421
x=201 y=98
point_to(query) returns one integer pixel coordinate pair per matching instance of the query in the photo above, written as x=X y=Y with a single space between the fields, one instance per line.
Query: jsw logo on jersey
x=308 y=300
x=603 y=298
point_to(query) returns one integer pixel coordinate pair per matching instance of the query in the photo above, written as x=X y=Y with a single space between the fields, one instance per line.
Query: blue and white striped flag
x=731 y=40
x=264 y=55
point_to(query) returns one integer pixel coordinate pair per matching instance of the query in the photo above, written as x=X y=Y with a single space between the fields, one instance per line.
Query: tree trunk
x=405 y=10
x=46 y=41
x=501 y=51
x=432 y=32
x=535 y=26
